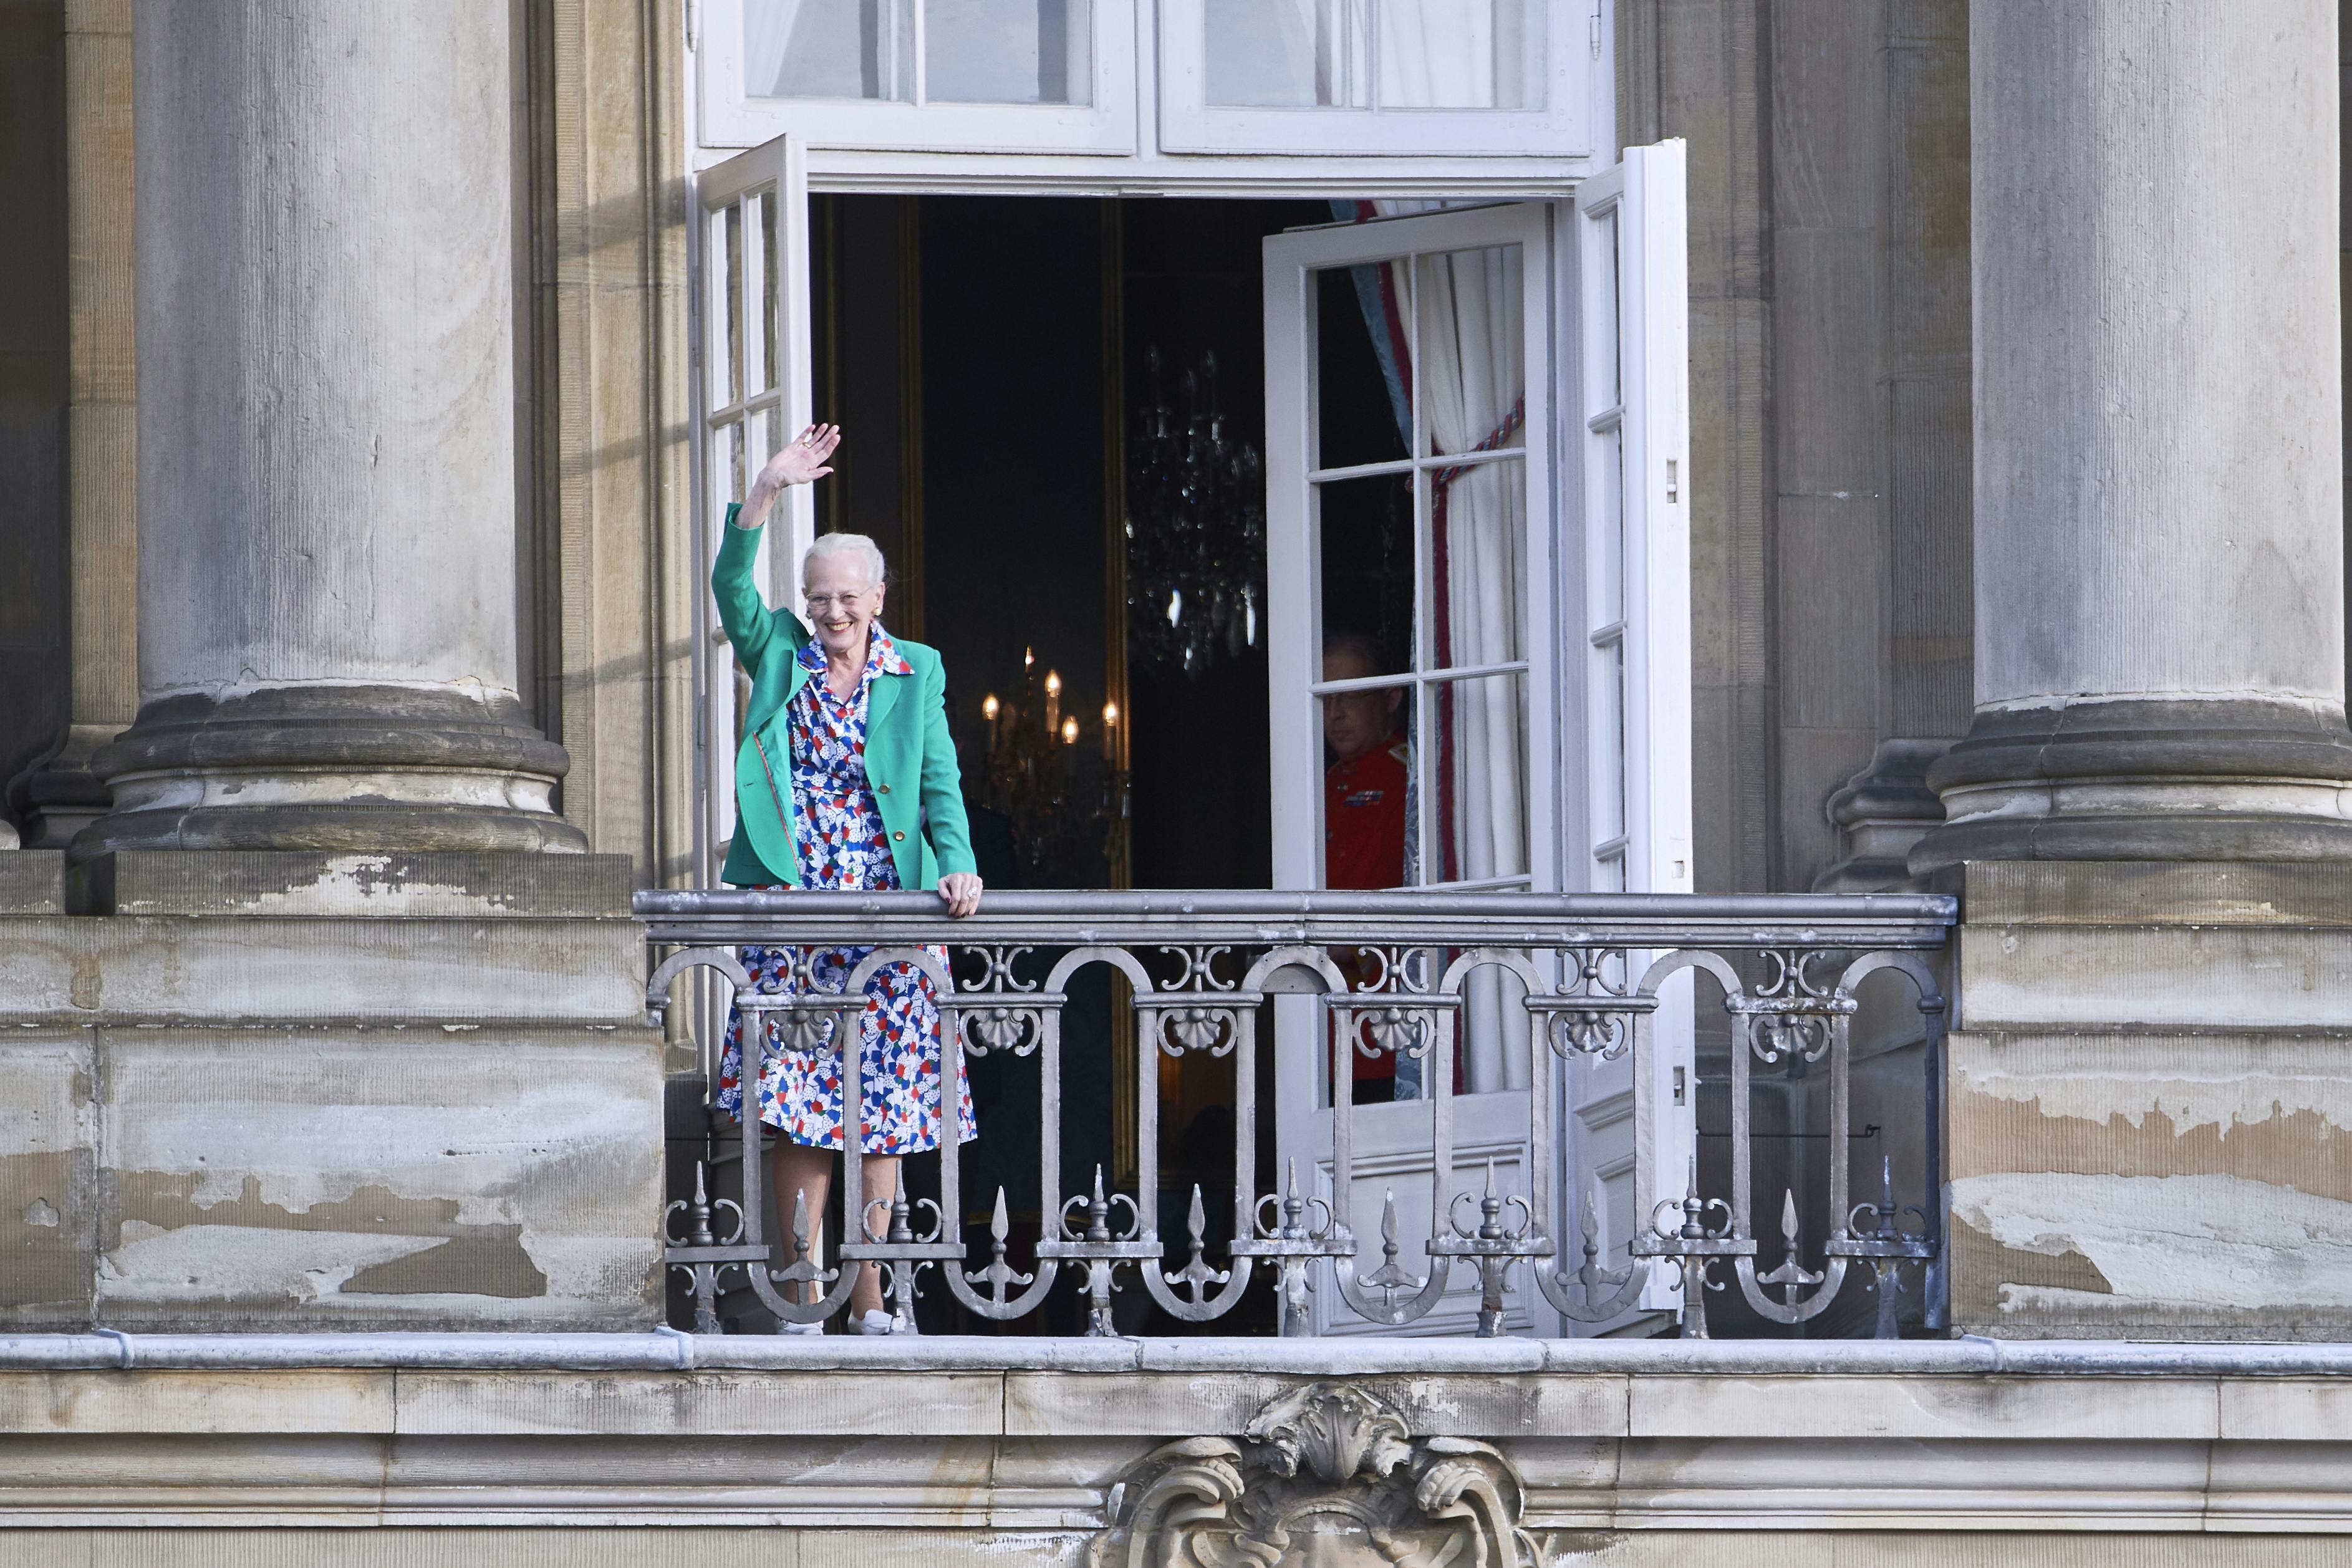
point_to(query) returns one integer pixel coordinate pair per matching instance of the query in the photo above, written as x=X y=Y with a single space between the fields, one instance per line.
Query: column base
x=333 y=768
x=1880 y=814
x=2140 y=781
x=62 y=796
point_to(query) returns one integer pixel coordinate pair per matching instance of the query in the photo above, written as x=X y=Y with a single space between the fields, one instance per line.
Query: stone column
x=2143 y=1088
x=327 y=591
x=2159 y=521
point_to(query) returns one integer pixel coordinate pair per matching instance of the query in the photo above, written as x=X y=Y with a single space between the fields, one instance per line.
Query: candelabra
x=1034 y=778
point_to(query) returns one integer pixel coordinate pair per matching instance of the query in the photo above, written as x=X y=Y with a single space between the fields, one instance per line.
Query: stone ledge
x=255 y=971
x=825 y=1435
x=436 y=885
x=2165 y=978
x=2151 y=892
x=32 y=882
x=667 y=1350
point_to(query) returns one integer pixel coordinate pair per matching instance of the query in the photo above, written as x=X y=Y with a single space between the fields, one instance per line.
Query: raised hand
x=802 y=462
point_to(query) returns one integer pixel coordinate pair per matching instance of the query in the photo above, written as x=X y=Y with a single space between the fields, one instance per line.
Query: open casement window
x=1411 y=530
x=1455 y=78
x=1451 y=571
x=751 y=395
x=946 y=75
x=1628 y=588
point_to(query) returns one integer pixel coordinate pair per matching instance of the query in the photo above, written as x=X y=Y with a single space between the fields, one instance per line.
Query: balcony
x=1629 y=1115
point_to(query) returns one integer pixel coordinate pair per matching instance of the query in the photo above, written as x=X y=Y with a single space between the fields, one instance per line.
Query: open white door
x=1412 y=522
x=1630 y=586
x=750 y=336
x=1505 y=390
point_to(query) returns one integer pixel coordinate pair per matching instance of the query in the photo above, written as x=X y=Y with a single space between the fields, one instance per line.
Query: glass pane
x=731 y=443
x=1472 y=343
x=1608 y=593
x=772 y=435
x=1478 y=564
x=1607 y=371
x=734 y=292
x=1461 y=54
x=1607 y=729
x=1478 y=780
x=1365 y=577
x=1363 y=359
x=1370 y=798
x=1008 y=51
x=767 y=367
x=1287 y=54
x=829 y=48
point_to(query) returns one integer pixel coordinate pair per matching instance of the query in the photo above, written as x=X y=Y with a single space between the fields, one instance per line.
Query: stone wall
x=2151 y=1132
x=279 y=1091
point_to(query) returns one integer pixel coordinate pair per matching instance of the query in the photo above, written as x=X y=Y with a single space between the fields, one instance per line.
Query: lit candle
x=1110 y=732
x=989 y=708
x=1070 y=730
x=1053 y=701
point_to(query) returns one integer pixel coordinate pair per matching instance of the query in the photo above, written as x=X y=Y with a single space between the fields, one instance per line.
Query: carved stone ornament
x=1327 y=1476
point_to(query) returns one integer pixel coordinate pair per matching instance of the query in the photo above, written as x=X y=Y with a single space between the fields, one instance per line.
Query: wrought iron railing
x=1590 y=978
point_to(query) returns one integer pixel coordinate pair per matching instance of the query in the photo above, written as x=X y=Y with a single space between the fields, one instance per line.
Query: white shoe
x=817 y=1328
x=879 y=1322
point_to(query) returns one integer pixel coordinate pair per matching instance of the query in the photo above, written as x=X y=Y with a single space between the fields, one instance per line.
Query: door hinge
x=1673 y=480
x=1680 y=1085
x=1595 y=29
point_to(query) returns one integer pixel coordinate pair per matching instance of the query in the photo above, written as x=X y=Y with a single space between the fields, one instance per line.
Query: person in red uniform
x=1363 y=808
x=1363 y=788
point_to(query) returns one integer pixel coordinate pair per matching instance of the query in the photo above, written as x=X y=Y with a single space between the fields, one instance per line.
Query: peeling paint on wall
x=2176 y=1240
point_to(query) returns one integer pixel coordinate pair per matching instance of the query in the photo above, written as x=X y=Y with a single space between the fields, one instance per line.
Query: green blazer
x=909 y=756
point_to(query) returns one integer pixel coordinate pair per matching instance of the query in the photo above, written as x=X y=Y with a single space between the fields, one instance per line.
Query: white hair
x=867 y=552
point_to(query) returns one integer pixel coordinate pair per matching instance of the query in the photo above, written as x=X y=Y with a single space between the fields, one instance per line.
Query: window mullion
x=921 y=65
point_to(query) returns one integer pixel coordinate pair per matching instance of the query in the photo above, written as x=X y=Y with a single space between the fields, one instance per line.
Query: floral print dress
x=843 y=845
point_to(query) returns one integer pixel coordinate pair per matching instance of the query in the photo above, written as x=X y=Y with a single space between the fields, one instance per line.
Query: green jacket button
x=882 y=789
x=900 y=836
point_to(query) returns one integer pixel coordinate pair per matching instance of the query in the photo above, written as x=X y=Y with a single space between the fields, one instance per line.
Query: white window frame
x=1294 y=599
x=776 y=172
x=1643 y=326
x=1574 y=31
x=1649 y=332
x=1105 y=126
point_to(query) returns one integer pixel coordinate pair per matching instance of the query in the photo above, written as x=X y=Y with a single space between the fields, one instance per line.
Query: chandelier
x=1195 y=525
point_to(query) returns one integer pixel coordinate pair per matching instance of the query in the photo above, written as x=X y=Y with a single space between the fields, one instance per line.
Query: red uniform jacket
x=1363 y=849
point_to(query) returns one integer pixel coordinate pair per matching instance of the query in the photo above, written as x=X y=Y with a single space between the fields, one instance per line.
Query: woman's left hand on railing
x=959 y=891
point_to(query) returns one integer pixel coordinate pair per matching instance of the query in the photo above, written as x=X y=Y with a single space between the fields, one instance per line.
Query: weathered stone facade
x=293 y=1090
x=2017 y=417
x=1159 y=1452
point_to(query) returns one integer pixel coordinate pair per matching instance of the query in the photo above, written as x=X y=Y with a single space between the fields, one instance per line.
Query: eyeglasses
x=818 y=604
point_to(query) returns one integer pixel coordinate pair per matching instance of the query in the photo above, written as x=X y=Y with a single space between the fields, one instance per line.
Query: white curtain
x=1445 y=54
x=767 y=29
x=818 y=48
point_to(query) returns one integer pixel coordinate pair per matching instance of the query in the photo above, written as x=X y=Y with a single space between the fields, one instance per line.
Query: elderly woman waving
x=845 y=778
